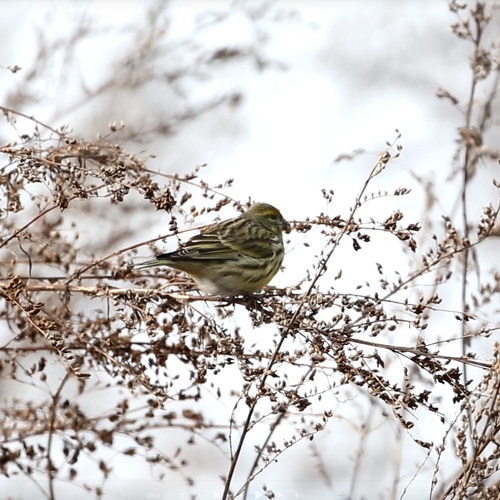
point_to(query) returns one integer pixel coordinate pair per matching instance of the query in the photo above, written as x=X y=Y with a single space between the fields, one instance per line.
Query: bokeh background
x=287 y=98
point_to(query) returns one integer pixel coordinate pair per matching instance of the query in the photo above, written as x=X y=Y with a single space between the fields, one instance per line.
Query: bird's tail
x=152 y=263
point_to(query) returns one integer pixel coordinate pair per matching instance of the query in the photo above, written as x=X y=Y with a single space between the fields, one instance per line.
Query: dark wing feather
x=227 y=240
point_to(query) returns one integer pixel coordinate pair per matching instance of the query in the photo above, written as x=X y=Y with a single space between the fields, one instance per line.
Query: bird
x=238 y=256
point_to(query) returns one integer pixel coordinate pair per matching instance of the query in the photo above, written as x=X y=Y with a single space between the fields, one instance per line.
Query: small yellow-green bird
x=235 y=256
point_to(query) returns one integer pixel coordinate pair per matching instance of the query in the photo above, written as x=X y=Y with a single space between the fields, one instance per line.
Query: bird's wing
x=228 y=240
x=208 y=246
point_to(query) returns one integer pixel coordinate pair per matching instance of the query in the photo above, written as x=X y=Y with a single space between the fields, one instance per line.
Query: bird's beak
x=285 y=225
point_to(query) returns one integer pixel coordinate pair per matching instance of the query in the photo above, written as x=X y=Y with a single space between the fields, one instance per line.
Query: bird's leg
x=250 y=301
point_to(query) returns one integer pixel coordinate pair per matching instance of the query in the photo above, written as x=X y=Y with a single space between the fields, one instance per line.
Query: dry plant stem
x=413 y=478
x=46 y=335
x=38 y=485
x=379 y=166
x=154 y=346
x=39 y=216
x=465 y=221
x=482 y=441
x=51 y=470
x=478 y=450
x=365 y=432
x=440 y=450
x=308 y=435
x=469 y=162
x=33 y=119
x=77 y=274
x=176 y=178
x=322 y=466
x=255 y=464
x=109 y=291
x=28 y=224
x=69 y=360
x=104 y=291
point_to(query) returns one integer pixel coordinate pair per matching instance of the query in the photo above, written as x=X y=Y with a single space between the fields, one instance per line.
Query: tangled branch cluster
x=76 y=325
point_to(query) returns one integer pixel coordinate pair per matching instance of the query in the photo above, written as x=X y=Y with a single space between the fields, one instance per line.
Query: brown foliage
x=77 y=325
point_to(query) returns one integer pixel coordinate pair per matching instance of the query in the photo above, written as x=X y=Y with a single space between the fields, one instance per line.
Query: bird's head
x=268 y=216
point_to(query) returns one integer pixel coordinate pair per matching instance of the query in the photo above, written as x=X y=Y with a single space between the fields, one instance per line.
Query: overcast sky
x=345 y=75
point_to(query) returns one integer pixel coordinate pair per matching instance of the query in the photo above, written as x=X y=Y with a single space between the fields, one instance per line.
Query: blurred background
x=287 y=98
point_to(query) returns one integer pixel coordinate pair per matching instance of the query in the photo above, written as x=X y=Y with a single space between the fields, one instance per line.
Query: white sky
x=356 y=71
